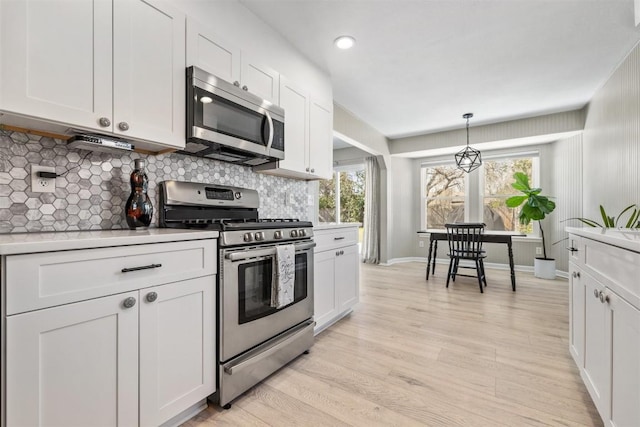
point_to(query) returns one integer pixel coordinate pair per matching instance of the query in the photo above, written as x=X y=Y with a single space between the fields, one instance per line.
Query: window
x=498 y=176
x=443 y=195
x=451 y=195
x=342 y=197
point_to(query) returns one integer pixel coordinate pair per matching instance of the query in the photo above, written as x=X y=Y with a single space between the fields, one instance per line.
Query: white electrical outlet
x=292 y=199
x=421 y=243
x=310 y=200
x=538 y=250
x=42 y=185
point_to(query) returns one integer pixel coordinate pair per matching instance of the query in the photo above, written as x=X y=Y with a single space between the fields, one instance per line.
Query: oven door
x=246 y=316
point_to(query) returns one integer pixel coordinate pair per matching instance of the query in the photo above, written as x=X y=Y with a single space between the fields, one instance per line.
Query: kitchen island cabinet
x=605 y=320
x=101 y=333
x=336 y=273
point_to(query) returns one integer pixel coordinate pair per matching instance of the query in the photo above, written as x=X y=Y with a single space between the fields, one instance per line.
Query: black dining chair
x=465 y=243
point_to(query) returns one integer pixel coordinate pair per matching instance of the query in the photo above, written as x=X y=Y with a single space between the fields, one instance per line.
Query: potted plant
x=535 y=207
x=612 y=222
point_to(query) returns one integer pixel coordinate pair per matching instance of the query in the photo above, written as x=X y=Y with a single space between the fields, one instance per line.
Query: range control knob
x=238 y=194
x=294 y=233
x=277 y=235
x=248 y=237
x=302 y=233
x=259 y=236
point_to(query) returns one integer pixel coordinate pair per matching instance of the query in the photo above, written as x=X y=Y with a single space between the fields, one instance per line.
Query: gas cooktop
x=231 y=210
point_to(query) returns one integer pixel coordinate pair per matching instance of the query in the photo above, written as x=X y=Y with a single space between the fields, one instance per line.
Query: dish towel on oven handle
x=283 y=286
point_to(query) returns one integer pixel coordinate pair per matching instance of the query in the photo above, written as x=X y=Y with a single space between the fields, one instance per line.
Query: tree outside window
x=351 y=196
x=447 y=191
x=444 y=195
x=498 y=177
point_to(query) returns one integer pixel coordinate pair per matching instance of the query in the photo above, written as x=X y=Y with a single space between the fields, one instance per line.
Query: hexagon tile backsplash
x=94 y=187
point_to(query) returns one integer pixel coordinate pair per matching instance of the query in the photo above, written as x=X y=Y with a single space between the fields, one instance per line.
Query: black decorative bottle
x=139 y=209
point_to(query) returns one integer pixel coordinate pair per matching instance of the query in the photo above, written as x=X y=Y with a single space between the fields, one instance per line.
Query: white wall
x=566 y=186
x=355 y=131
x=611 y=145
x=404 y=207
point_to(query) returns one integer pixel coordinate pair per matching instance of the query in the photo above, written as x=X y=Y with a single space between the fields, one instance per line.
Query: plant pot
x=544 y=268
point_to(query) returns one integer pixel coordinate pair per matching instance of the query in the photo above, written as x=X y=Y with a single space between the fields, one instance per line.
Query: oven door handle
x=254 y=253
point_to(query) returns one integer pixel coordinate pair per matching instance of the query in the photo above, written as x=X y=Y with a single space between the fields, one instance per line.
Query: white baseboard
x=492 y=265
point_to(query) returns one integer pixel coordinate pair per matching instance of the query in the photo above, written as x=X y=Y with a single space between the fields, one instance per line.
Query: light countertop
x=21 y=243
x=331 y=225
x=623 y=238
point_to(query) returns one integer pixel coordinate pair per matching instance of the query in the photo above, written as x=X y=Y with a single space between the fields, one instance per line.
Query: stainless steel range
x=255 y=338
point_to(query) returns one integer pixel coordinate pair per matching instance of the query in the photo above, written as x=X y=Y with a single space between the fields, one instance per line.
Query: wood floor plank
x=416 y=353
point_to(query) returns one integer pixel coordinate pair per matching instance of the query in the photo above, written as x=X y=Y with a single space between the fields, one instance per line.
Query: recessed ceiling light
x=206 y=100
x=344 y=42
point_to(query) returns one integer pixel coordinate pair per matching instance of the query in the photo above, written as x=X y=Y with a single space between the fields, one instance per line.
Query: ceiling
x=418 y=65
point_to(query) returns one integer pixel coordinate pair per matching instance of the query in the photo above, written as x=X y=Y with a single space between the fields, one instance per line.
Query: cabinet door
x=347 y=276
x=295 y=102
x=321 y=138
x=260 y=80
x=56 y=60
x=624 y=328
x=212 y=53
x=74 y=365
x=576 y=315
x=325 y=301
x=177 y=348
x=149 y=71
x=596 y=374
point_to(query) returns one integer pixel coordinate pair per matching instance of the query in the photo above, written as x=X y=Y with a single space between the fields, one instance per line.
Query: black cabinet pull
x=144 y=267
x=338 y=238
x=572 y=249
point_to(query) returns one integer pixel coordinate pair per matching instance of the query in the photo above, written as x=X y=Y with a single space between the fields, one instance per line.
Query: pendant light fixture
x=468 y=159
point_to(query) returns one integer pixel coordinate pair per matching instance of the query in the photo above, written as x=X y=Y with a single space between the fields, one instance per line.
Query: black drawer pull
x=144 y=267
x=338 y=238
x=572 y=249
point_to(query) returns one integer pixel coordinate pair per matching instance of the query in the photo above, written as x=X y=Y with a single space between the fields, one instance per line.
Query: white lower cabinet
x=139 y=357
x=336 y=275
x=74 y=365
x=325 y=300
x=81 y=362
x=576 y=314
x=176 y=362
x=605 y=329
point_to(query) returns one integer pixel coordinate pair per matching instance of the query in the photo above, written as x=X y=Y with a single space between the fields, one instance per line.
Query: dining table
x=489 y=236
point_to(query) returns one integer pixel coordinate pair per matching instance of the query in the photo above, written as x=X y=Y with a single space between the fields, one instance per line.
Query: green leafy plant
x=611 y=222
x=535 y=207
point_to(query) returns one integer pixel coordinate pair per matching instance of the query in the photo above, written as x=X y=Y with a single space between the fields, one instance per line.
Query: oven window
x=254 y=288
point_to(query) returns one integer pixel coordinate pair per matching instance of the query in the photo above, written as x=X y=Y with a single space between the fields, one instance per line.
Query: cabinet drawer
x=616 y=267
x=47 y=279
x=327 y=239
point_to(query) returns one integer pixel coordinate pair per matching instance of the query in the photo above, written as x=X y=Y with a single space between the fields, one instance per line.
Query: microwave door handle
x=270 y=120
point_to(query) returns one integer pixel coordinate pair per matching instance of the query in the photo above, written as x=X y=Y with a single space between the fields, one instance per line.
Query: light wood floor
x=416 y=353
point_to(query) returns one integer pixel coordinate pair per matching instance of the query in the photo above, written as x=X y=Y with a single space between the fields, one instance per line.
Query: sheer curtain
x=371 y=245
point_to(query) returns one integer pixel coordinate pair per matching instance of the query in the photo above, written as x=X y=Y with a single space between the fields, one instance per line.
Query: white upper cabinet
x=260 y=80
x=212 y=53
x=112 y=66
x=308 y=134
x=295 y=102
x=56 y=60
x=320 y=138
x=220 y=57
x=149 y=71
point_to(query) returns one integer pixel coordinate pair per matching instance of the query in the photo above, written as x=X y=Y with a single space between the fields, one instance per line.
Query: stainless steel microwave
x=227 y=123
